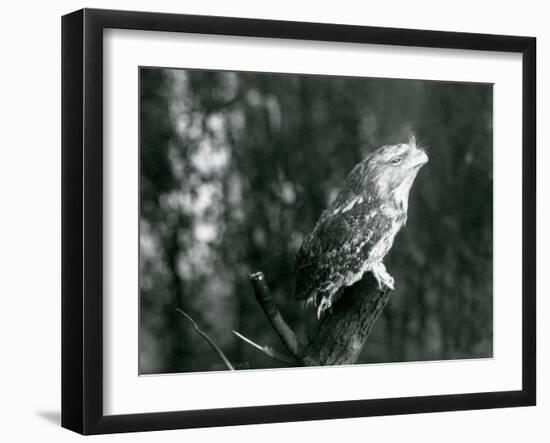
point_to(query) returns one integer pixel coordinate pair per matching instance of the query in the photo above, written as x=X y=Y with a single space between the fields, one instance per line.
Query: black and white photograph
x=291 y=220
x=255 y=222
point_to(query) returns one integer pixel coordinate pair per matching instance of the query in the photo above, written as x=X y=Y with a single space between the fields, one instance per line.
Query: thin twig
x=267 y=350
x=287 y=336
x=208 y=340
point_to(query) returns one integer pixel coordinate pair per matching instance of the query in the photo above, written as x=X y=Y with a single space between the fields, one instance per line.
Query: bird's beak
x=419 y=157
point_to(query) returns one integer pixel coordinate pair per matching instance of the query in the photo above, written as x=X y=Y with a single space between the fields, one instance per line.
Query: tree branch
x=287 y=336
x=341 y=334
x=269 y=351
x=208 y=340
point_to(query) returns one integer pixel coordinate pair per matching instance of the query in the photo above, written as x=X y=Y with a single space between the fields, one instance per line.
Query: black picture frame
x=82 y=220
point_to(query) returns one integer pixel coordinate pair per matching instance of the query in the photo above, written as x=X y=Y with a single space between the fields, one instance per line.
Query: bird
x=356 y=231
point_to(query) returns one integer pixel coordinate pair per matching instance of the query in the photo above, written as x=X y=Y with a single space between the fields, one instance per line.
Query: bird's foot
x=383 y=278
x=325 y=304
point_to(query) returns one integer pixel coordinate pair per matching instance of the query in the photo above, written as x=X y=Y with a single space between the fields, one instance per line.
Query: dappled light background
x=236 y=169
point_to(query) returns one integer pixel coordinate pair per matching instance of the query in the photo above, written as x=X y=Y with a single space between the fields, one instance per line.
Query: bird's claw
x=383 y=278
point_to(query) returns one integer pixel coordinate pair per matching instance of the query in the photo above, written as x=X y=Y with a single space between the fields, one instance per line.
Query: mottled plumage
x=357 y=230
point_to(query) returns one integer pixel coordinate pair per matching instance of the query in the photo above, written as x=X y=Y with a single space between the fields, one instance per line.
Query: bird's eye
x=396 y=161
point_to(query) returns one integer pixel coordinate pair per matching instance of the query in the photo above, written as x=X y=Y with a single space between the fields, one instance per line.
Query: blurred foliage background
x=235 y=171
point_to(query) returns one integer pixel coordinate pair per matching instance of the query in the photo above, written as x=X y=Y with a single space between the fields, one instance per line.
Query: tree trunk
x=342 y=333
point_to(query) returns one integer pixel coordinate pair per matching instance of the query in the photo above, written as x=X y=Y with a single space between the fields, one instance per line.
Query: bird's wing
x=338 y=248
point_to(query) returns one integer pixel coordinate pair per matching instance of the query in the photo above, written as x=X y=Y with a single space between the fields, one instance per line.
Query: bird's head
x=391 y=170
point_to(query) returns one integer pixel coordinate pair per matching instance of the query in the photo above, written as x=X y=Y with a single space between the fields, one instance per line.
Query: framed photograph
x=269 y=221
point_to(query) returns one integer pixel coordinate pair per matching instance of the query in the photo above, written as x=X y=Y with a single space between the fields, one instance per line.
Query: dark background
x=237 y=167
